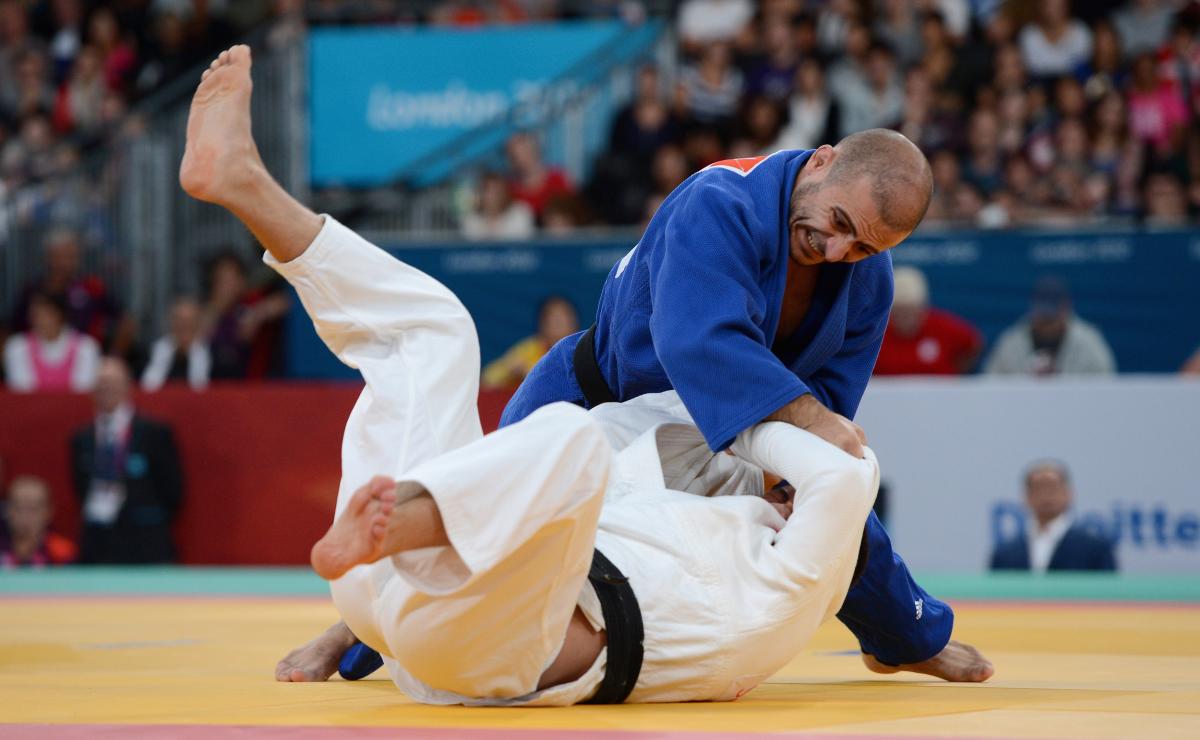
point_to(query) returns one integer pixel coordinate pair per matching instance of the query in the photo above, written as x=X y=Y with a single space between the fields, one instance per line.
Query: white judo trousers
x=729 y=590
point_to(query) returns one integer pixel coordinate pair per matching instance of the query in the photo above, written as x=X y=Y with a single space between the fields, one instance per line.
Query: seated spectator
x=51 y=356
x=564 y=214
x=878 y=101
x=1055 y=44
x=713 y=87
x=243 y=326
x=496 y=215
x=772 y=74
x=1164 y=200
x=182 y=354
x=127 y=477
x=1052 y=340
x=921 y=339
x=646 y=124
x=1157 y=114
x=1052 y=540
x=533 y=181
x=25 y=538
x=556 y=318
x=813 y=116
x=91 y=309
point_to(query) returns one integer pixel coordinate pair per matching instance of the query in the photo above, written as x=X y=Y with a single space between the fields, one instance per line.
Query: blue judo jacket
x=695 y=305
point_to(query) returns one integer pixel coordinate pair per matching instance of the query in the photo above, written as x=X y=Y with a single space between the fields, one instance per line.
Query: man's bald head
x=900 y=176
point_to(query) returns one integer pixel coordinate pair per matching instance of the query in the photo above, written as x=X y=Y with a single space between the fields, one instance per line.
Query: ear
x=822 y=158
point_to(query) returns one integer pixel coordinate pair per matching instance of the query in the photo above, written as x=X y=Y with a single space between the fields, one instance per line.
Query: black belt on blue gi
x=587 y=371
x=623 y=625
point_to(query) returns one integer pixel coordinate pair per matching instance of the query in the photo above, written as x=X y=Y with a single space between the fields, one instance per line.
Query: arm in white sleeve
x=834 y=494
x=18 y=370
x=87 y=365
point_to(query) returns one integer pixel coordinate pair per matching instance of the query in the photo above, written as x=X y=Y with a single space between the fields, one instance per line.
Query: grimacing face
x=837 y=222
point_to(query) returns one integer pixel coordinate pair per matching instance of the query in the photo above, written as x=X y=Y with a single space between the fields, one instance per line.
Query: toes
x=283 y=672
x=240 y=53
x=299 y=676
x=381 y=484
x=204 y=75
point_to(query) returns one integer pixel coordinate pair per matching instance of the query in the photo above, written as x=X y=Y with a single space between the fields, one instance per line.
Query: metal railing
x=140 y=233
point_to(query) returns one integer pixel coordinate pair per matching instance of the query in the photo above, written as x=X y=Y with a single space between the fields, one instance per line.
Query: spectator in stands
x=242 y=325
x=80 y=101
x=182 y=354
x=772 y=73
x=1104 y=73
x=28 y=91
x=50 y=356
x=495 y=214
x=1055 y=44
x=813 y=116
x=563 y=215
x=1053 y=540
x=921 y=339
x=646 y=124
x=26 y=539
x=1143 y=25
x=713 y=87
x=118 y=61
x=1052 y=340
x=533 y=181
x=127 y=476
x=758 y=127
x=875 y=101
x=898 y=25
x=1165 y=200
x=1157 y=114
x=984 y=164
x=556 y=318
x=91 y=309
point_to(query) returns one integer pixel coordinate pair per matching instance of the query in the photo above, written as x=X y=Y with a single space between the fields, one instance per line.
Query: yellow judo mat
x=176 y=654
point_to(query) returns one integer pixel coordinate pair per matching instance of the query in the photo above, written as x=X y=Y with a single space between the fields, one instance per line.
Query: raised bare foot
x=957 y=662
x=359 y=534
x=220 y=156
x=317 y=660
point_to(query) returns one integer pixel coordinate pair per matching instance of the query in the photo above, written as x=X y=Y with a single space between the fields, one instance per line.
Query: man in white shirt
x=574 y=556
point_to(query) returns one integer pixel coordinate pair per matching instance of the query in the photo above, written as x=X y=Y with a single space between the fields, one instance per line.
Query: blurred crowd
x=66 y=319
x=1030 y=112
x=71 y=69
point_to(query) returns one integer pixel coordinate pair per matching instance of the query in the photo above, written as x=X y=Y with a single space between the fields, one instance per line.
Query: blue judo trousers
x=695 y=305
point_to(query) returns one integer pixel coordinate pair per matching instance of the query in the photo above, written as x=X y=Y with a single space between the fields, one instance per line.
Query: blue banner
x=390 y=103
x=1142 y=289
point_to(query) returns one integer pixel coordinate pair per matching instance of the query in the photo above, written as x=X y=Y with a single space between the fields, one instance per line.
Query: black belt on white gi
x=623 y=623
x=587 y=371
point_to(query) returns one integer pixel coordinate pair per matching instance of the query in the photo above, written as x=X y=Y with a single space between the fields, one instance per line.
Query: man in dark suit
x=1052 y=540
x=127 y=477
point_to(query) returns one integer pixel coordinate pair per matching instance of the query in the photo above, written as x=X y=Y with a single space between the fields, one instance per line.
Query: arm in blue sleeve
x=841 y=382
x=708 y=308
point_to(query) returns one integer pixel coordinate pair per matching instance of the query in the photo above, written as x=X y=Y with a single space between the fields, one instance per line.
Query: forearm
x=801 y=412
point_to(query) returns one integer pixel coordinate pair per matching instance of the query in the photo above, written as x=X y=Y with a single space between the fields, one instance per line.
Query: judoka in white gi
x=463 y=559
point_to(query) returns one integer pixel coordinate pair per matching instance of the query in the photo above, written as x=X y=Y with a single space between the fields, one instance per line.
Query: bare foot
x=220 y=156
x=359 y=534
x=957 y=662
x=317 y=660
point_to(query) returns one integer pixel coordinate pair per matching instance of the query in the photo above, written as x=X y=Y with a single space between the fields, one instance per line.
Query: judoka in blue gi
x=760 y=290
